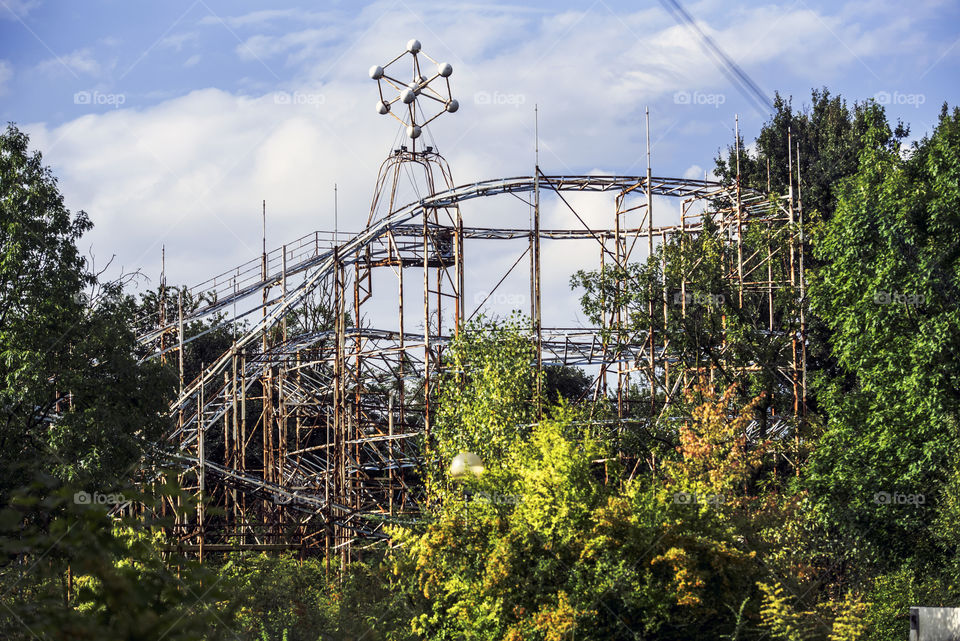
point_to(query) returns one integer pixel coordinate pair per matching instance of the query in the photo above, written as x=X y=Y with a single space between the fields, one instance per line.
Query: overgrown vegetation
x=701 y=525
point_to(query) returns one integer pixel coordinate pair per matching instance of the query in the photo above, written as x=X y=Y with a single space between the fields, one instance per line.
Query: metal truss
x=314 y=439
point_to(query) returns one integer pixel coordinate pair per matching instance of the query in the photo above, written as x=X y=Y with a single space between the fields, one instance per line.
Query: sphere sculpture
x=423 y=93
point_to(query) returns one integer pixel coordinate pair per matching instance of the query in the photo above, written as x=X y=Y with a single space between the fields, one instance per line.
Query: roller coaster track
x=319 y=266
x=317 y=256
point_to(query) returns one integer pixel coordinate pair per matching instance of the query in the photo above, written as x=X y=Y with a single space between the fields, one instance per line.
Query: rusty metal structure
x=310 y=431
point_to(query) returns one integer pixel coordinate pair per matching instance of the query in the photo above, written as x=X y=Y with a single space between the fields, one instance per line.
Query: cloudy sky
x=170 y=122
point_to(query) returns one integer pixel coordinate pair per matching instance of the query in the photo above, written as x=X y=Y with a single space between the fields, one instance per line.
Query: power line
x=744 y=84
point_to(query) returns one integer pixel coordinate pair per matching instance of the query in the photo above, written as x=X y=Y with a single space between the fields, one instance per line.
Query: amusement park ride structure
x=309 y=432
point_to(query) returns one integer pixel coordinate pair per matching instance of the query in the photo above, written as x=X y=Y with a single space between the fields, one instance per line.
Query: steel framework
x=310 y=434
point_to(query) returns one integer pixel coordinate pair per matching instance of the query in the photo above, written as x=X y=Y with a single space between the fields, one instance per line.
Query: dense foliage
x=699 y=524
x=78 y=412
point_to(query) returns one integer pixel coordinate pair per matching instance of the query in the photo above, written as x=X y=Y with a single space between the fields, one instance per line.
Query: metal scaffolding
x=311 y=430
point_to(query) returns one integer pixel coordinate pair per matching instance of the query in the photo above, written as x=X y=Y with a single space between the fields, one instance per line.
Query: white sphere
x=444 y=69
x=413 y=46
x=414 y=87
x=408 y=96
x=465 y=464
x=383 y=107
x=413 y=131
x=452 y=105
x=376 y=72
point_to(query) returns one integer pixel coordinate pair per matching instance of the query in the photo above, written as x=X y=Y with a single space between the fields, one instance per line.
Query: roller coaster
x=309 y=432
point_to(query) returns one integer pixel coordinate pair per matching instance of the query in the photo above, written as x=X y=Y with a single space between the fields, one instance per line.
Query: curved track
x=321 y=265
x=204 y=401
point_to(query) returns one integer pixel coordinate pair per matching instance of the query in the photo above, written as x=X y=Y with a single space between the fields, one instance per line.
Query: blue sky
x=163 y=121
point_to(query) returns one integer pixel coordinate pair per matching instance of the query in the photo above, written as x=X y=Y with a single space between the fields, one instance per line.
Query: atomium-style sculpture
x=408 y=93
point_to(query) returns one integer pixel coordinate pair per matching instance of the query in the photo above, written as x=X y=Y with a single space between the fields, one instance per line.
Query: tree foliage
x=78 y=413
x=827 y=531
x=888 y=288
x=74 y=395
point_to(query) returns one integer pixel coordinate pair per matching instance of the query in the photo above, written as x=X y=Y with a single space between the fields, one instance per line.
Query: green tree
x=888 y=287
x=827 y=140
x=74 y=398
x=487 y=398
x=565 y=548
x=277 y=596
x=78 y=415
x=829 y=136
x=73 y=571
x=551 y=541
x=706 y=323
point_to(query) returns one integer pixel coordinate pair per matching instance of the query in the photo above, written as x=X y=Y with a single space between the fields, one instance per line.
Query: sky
x=169 y=123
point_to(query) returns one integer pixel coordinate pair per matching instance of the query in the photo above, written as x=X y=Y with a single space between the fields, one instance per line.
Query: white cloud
x=191 y=171
x=15 y=9
x=178 y=41
x=6 y=73
x=77 y=62
x=264 y=17
x=816 y=46
x=298 y=45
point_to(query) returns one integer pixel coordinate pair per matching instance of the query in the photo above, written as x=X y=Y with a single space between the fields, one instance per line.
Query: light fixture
x=465 y=464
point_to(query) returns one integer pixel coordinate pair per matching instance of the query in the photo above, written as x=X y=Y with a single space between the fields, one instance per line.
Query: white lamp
x=465 y=464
